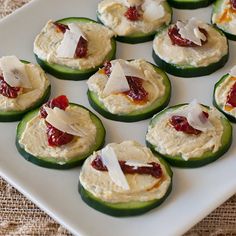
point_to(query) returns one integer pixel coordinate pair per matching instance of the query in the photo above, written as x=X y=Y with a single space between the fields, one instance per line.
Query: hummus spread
x=34 y=138
x=168 y=141
x=121 y=104
x=111 y=13
x=27 y=96
x=99 y=45
x=222 y=92
x=142 y=187
x=212 y=51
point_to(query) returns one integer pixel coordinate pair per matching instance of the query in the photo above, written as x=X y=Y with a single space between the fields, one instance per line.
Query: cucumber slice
x=217 y=7
x=140 y=37
x=125 y=209
x=66 y=73
x=51 y=162
x=141 y=114
x=188 y=70
x=219 y=106
x=10 y=116
x=190 y=4
x=207 y=157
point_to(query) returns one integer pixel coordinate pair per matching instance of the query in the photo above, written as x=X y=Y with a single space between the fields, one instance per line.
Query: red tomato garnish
x=82 y=48
x=132 y=14
x=61 y=27
x=231 y=98
x=6 y=90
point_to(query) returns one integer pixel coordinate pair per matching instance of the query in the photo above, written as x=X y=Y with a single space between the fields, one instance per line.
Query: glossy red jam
x=132 y=14
x=82 y=48
x=61 y=27
x=231 y=98
x=57 y=137
x=154 y=171
x=6 y=90
x=176 y=38
x=60 y=102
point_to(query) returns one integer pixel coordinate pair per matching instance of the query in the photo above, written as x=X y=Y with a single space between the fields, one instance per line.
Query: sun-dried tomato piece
x=132 y=14
x=176 y=38
x=61 y=27
x=233 y=4
x=57 y=137
x=82 y=48
x=154 y=170
x=61 y=102
x=6 y=90
x=107 y=68
x=180 y=123
x=231 y=98
x=137 y=91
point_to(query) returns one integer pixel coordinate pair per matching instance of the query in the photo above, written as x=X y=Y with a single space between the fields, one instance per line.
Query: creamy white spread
x=224 y=16
x=99 y=45
x=168 y=141
x=141 y=187
x=27 y=96
x=111 y=13
x=119 y=103
x=222 y=92
x=212 y=51
x=34 y=138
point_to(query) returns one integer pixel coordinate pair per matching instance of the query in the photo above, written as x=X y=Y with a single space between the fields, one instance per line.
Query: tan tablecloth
x=19 y=216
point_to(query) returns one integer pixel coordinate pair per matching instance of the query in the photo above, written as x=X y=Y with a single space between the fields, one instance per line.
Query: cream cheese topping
x=99 y=45
x=168 y=141
x=111 y=13
x=34 y=138
x=120 y=103
x=222 y=92
x=27 y=96
x=141 y=187
x=212 y=51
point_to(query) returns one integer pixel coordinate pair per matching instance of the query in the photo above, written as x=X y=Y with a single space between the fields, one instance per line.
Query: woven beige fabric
x=19 y=216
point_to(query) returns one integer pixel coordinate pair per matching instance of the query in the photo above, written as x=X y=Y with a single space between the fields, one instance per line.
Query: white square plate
x=196 y=192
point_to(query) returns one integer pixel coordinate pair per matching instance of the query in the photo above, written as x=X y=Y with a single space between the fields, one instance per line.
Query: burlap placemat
x=19 y=216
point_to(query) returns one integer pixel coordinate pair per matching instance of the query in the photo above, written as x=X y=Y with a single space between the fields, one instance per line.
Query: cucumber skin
x=53 y=165
x=230 y=117
x=121 y=211
x=76 y=74
x=190 y=4
x=17 y=115
x=195 y=162
x=142 y=38
x=131 y=118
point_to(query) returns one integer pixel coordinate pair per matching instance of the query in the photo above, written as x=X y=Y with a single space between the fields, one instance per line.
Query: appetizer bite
x=74 y=48
x=23 y=87
x=129 y=90
x=224 y=97
x=190 y=4
x=124 y=179
x=224 y=17
x=134 y=21
x=190 y=49
x=189 y=135
x=59 y=135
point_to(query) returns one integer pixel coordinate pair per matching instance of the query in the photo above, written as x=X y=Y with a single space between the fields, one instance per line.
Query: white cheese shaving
x=14 y=72
x=109 y=159
x=190 y=31
x=117 y=81
x=233 y=71
x=152 y=10
x=132 y=3
x=62 y=121
x=137 y=164
x=195 y=117
x=70 y=41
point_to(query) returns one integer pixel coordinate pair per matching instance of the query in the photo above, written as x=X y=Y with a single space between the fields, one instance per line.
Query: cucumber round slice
x=125 y=209
x=219 y=106
x=67 y=73
x=190 y=4
x=141 y=114
x=217 y=7
x=51 y=162
x=207 y=157
x=140 y=37
x=188 y=70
